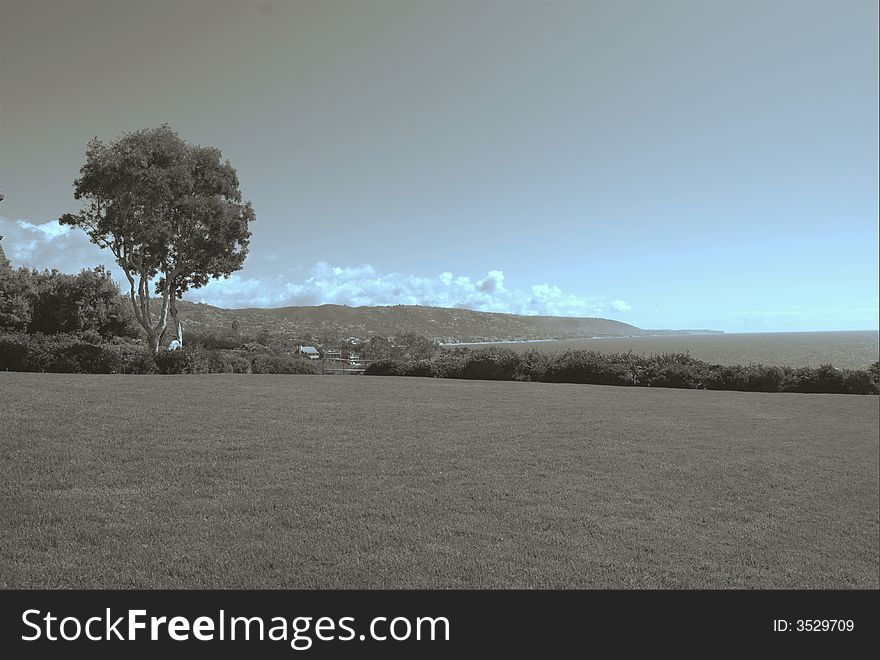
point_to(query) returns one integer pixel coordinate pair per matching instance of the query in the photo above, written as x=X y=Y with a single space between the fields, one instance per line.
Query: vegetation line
x=678 y=370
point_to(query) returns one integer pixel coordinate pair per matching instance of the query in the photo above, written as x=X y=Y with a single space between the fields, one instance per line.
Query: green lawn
x=308 y=481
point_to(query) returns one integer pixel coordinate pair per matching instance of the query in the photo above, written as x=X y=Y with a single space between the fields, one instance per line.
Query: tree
x=412 y=346
x=378 y=348
x=51 y=302
x=88 y=301
x=17 y=295
x=169 y=211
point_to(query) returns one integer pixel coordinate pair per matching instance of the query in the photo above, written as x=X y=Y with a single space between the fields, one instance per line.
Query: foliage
x=70 y=353
x=675 y=370
x=52 y=302
x=413 y=346
x=167 y=210
x=279 y=364
x=17 y=296
x=379 y=348
x=389 y=368
x=76 y=303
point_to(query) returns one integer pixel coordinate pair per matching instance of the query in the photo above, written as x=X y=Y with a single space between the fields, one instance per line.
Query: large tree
x=170 y=212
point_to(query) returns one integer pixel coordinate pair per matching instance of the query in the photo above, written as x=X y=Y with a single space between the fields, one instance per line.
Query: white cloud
x=363 y=285
x=51 y=245
x=797 y=318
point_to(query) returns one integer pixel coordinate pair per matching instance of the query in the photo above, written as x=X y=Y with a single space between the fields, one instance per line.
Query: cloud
x=802 y=318
x=364 y=285
x=51 y=245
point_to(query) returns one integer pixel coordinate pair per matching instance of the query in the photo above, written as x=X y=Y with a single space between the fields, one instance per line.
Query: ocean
x=850 y=349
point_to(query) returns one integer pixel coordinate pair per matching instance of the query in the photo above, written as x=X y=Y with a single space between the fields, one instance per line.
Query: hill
x=441 y=323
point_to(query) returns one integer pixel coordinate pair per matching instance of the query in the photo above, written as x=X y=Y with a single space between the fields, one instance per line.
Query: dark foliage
x=675 y=370
x=70 y=353
x=51 y=302
x=281 y=364
x=78 y=353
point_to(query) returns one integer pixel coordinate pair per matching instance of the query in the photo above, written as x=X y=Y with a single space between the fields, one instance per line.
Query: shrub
x=17 y=295
x=241 y=365
x=490 y=364
x=135 y=359
x=450 y=363
x=386 y=368
x=68 y=353
x=678 y=370
x=753 y=378
x=809 y=380
x=423 y=368
x=858 y=382
x=533 y=366
x=280 y=364
x=51 y=302
x=592 y=367
x=182 y=361
x=14 y=353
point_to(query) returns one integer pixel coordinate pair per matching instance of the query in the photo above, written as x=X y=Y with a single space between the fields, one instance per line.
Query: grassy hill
x=347 y=482
x=441 y=323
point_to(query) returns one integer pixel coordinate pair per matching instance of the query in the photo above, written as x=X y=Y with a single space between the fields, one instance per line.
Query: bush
x=135 y=359
x=241 y=365
x=533 y=366
x=491 y=364
x=14 y=353
x=678 y=370
x=451 y=363
x=423 y=368
x=192 y=360
x=593 y=367
x=69 y=353
x=386 y=368
x=51 y=302
x=753 y=378
x=182 y=361
x=858 y=382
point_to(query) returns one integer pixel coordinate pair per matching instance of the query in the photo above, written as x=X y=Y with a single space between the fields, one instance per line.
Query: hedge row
x=667 y=370
x=68 y=353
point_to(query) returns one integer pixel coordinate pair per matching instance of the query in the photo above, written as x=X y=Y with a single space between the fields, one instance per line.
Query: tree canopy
x=170 y=212
x=52 y=302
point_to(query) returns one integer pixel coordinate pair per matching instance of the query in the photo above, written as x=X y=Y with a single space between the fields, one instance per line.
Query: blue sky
x=672 y=165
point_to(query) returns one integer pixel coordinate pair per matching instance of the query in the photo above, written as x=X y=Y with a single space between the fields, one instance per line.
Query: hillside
x=443 y=324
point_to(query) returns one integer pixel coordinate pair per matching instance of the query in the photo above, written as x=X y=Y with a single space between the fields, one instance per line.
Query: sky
x=675 y=164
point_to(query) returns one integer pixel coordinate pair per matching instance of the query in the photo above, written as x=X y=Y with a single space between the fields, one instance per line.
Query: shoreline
x=649 y=336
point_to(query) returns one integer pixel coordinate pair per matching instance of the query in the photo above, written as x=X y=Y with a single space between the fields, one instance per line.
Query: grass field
x=305 y=481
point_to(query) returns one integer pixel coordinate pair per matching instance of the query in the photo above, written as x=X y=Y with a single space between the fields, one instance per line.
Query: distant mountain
x=441 y=323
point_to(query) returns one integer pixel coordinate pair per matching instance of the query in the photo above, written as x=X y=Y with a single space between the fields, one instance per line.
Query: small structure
x=310 y=352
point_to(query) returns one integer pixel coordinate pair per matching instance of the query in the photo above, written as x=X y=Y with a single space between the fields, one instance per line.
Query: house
x=310 y=352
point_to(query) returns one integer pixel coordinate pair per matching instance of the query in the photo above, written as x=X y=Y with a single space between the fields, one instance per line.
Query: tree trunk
x=178 y=324
x=154 y=340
